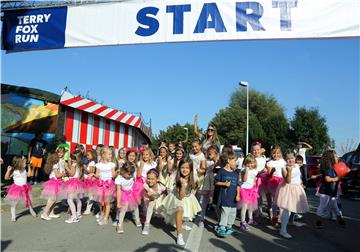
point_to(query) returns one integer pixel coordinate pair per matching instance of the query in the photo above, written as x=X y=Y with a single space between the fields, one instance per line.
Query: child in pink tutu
x=90 y=180
x=73 y=187
x=248 y=192
x=105 y=171
x=153 y=195
x=290 y=195
x=128 y=193
x=20 y=190
x=275 y=167
x=52 y=189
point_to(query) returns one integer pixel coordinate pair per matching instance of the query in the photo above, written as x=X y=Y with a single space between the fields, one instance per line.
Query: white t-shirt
x=20 y=177
x=278 y=165
x=77 y=172
x=250 y=182
x=302 y=152
x=105 y=170
x=196 y=159
x=147 y=167
x=261 y=162
x=59 y=166
x=91 y=164
x=295 y=175
x=239 y=163
x=126 y=184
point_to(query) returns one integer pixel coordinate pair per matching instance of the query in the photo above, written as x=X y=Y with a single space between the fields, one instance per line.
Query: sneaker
x=103 y=222
x=13 y=219
x=298 y=217
x=319 y=224
x=229 y=230
x=54 y=216
x=71 y=220
x=201 y=224
x=222 y=232
x=244 y=226
x=119 y=229
x=36 y=182
x=97 y=216
x=180 y=240
x=285 y=235
x=45 y=217
x=252 y=222
x=115 y=223
x=138 y=223
x=186 y=227
x=31 y=182
x=87 y=212
x=296 y=224
x=145 y=229
x=79 y=216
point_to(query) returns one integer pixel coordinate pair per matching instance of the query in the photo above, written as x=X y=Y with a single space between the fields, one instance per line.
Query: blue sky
x=169 y=83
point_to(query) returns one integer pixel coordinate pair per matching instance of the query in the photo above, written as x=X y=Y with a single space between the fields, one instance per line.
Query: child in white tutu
x=52 y=189
x=181 y=203
x=248 y=192
x=153 y=196
x=129 y=191
x=20 y=190
x=290 y=195
x=90 y=180
x=105 y=171
x=73 y=187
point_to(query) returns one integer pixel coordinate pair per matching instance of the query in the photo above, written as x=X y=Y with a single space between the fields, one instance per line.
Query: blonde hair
x=17 y=162
x=249 y=159
x=151 y=154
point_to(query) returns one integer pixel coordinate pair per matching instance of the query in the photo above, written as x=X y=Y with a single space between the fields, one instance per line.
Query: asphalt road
x=29 y=234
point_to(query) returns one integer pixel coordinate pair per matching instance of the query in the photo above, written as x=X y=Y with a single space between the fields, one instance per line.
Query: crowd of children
x=178 y=187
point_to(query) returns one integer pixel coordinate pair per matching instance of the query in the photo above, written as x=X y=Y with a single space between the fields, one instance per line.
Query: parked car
x=351 y=182
x=313 y=168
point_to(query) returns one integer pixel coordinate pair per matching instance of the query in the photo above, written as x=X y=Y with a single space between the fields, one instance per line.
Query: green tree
x=174 y=133
x=309 y=126
x=267 y=120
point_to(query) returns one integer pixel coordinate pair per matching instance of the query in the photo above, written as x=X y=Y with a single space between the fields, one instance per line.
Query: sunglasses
x=210 y=129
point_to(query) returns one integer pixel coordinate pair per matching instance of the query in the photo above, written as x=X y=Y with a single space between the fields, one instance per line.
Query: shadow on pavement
x=154 y=246
x=5 y=244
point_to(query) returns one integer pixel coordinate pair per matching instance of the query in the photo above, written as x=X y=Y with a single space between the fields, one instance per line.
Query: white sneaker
x=297 y=224
x=103 y=222
x=201 y=224
x=285 y=235
x=138 y=223
x=78 y=216
x=186 y=227
x=115 y=223
x=180 y=240
x=54 y=216
x=13 y=219
x=45 y=217
x=71 y=220
x=145 y=229
x=87 y=212
x=97 y=216
x=119 y=229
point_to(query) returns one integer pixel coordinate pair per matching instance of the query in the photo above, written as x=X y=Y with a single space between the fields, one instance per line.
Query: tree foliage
x=309 y=126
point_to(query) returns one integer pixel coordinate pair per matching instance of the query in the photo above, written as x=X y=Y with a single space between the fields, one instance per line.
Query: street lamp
x=246 y=85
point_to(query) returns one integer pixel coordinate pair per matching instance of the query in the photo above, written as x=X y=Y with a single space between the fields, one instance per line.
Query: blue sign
x=34 y=29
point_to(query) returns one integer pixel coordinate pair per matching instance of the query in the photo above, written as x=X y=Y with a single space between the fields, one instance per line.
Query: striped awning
x=97 y=109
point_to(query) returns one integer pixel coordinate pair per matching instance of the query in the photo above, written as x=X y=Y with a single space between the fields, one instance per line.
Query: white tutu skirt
x=292 y=198
x=171 y=203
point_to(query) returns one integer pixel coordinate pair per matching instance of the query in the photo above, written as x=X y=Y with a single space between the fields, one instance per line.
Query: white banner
x=137 y=22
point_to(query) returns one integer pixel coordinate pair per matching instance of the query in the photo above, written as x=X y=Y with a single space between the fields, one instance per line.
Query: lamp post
x=246 y=85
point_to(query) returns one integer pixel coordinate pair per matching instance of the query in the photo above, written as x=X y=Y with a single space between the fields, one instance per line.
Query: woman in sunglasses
x=209 y=138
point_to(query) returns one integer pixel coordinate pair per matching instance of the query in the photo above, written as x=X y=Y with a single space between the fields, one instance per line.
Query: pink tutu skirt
x=16 y=193
x=52 y=188
x=132 y=198
x=273 y=184
x=262 y=182
x=249 y=198
x=73 y=186
x=105 y=190
x=291 y=198
x=90 y=185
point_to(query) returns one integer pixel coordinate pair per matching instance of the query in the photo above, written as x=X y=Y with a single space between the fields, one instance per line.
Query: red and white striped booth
x=90 y=123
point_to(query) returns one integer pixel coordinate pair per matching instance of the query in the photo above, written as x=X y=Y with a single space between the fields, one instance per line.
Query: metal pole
x=247 y=120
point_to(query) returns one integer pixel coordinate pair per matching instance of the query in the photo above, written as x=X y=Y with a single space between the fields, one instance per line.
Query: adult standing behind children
x=210 y=138
x=37 y=150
